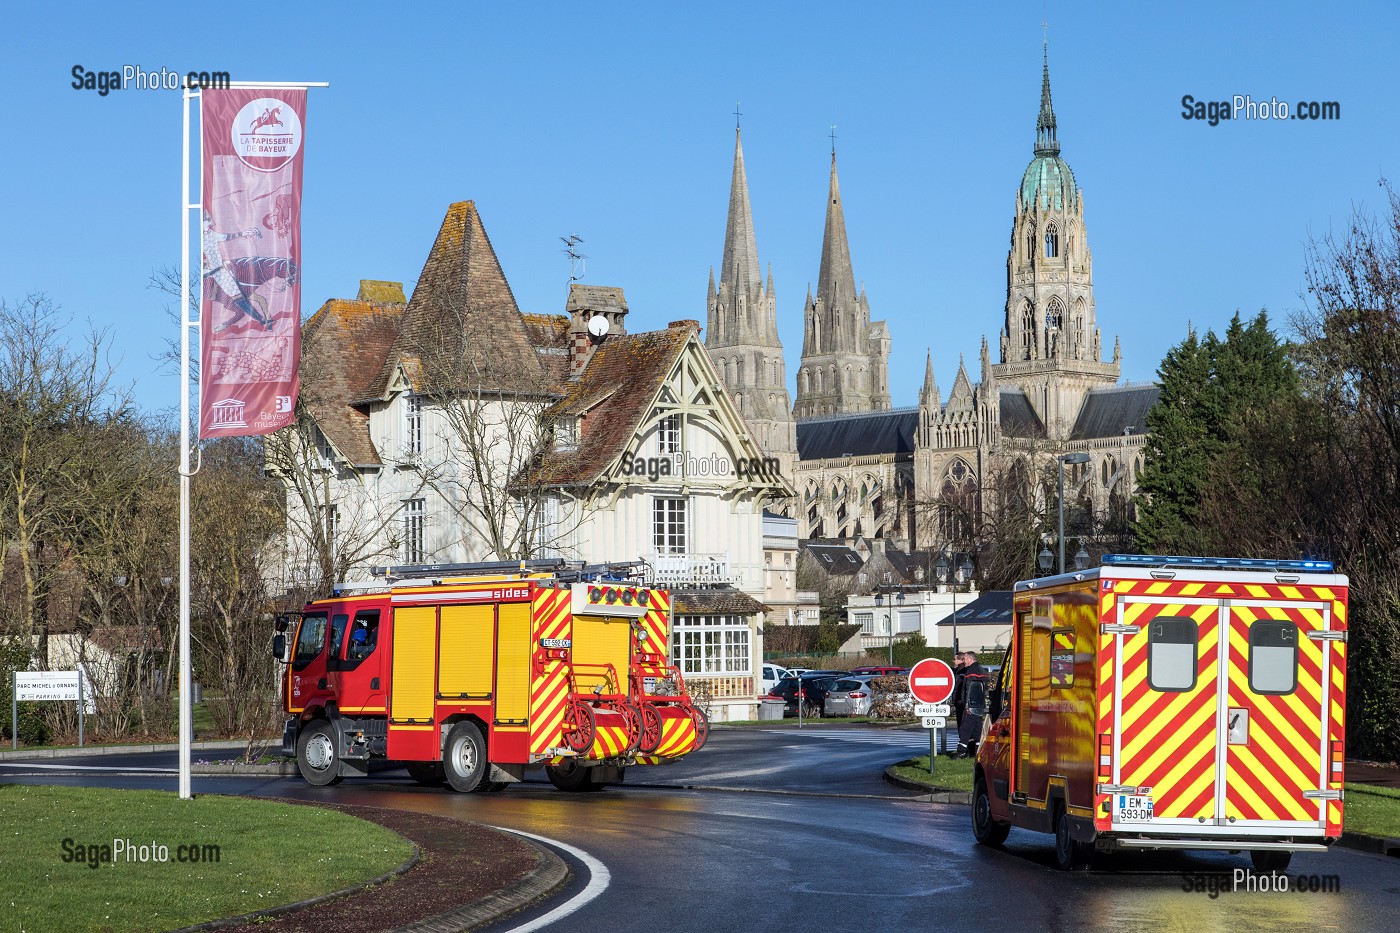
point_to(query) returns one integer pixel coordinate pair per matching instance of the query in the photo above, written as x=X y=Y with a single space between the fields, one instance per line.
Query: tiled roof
x=875 y=432
x=715 y=602
x=343 y=348
x=991 y=608
x=1114 y=412
x=1018 y=418
x=549 y=335
x=611 y=397
x=836 y=559
x=462 y=328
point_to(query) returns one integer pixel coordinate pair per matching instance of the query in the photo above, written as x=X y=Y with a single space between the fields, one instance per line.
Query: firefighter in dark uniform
x=972 y=695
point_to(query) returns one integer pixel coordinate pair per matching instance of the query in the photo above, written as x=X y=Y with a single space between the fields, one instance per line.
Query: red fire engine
x=1171 y=702
x=472 y=673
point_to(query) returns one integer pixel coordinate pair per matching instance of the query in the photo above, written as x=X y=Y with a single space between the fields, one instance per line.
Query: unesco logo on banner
x=266 y=134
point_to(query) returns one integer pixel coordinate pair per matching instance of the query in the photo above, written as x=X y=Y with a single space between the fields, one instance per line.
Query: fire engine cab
x=472 y=673
x=1171 y=702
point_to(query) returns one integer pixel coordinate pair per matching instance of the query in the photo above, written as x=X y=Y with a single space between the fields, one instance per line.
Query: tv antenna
x=577 y=264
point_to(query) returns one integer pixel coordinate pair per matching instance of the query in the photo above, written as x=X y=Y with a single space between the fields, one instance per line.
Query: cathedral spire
x=835 y=281
x=740 y=271
x=929 y=396
x=1046 y=143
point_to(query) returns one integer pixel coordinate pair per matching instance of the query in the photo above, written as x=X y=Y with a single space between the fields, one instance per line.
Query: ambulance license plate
x=1131 y=809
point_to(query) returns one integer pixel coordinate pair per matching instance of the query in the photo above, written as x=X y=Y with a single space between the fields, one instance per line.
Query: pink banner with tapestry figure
x=250 y=310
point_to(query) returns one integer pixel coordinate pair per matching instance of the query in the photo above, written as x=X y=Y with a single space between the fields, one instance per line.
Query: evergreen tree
x=1214 y=391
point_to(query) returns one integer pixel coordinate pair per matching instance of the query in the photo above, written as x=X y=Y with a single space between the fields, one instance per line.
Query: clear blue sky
x=614 y=122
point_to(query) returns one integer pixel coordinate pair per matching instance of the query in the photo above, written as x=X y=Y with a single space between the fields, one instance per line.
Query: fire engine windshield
x=310 y=639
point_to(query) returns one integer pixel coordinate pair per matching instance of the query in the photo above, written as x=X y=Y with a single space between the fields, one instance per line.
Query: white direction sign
x=46 y=685
x=932 y=709
x=933 y=722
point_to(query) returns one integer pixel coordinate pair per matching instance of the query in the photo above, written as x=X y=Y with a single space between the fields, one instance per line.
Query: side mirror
x=279 y=646
x=281 y=624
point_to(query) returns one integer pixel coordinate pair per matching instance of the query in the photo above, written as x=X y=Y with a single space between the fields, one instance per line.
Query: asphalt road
x=781 y=829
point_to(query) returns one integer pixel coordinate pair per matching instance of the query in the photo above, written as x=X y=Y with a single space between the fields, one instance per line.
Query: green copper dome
x=1048 y=184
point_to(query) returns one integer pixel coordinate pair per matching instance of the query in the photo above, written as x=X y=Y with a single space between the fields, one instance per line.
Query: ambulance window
x=1273 y=657
x=1171 y=654
x=1062 y=657
x=310 y=640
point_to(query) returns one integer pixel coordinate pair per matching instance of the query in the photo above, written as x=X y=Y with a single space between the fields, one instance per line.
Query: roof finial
x=1046 y=143
x=833 y=142
x=737 y=115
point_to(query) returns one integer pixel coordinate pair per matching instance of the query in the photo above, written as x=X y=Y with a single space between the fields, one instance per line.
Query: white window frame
x=668 y=435
x=414 y=518
x=670 y=525
x=413 y=424
x=714 y=645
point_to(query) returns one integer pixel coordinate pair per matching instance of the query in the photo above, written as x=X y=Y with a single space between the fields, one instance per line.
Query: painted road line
x=598 y=880
x=30 y=766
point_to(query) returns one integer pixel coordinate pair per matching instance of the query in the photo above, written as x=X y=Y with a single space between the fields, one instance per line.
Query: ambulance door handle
x=1328 y=635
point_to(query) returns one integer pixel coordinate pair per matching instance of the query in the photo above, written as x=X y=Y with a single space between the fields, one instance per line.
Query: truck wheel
x=1070 y=854
x=427 y=773
x=987 y=831
x=571 y=776
x=1270 y=861
x=317 y=757
x=464 y=757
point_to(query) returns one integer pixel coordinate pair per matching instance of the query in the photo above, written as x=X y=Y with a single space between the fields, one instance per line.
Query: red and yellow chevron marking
x=609 y=734
x=1336 y=727
x=1169 y=738
x=657 y=623
x=1266 y=777
x=678 y=736
x=549 y=686
x=1222 y=589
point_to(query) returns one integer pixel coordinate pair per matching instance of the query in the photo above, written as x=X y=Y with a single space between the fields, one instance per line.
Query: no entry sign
x=931 y=681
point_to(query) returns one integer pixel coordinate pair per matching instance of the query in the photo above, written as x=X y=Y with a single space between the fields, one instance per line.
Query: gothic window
x=1054 y=318
x=1027 y=328
x=1052 y=242
x=1030 y=242
x=774 y=376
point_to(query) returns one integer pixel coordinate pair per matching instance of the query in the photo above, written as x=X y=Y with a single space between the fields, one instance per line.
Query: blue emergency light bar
x=1218 y=563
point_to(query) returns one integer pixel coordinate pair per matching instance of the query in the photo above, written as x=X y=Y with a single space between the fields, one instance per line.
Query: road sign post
x=931 y=683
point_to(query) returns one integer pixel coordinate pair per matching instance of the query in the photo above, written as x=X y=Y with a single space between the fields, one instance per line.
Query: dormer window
x=566 y=433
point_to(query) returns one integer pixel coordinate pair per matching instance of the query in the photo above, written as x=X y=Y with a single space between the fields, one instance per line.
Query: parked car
x=850 y=696
x=878 y=671
x=772 y=673
x=810 y=687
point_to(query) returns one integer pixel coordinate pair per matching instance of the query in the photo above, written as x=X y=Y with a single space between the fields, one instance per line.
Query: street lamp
x=961 y=574
x=1060 y=461
x=889 y=620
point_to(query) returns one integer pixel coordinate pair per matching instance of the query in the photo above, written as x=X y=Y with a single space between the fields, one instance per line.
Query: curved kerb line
x=598 y=881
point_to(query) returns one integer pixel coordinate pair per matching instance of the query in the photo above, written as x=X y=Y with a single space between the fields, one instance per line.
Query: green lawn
x=1372 y=811
x=948 y=773
x=267 y=854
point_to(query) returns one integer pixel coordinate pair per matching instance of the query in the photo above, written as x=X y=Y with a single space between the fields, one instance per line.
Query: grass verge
x=264 y=854
x=1372 y=811
x=948 y=774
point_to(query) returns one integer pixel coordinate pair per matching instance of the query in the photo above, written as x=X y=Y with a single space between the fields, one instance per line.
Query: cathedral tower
x=742 y=337
x=845 y=356
x=1050 y=342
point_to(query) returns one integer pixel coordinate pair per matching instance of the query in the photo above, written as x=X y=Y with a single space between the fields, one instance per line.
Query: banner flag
x=250 y=309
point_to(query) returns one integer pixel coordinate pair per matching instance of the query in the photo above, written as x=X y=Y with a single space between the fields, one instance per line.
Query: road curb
x=549 y=875
x=73 y=752
x=276 y=769
x=932 y=796
x=1376 y=844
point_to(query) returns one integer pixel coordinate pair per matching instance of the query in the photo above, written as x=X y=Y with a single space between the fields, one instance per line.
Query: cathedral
x=923 y=476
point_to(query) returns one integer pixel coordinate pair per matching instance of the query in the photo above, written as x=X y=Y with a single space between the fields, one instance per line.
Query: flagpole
x=185 y=693
x=186 y=717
